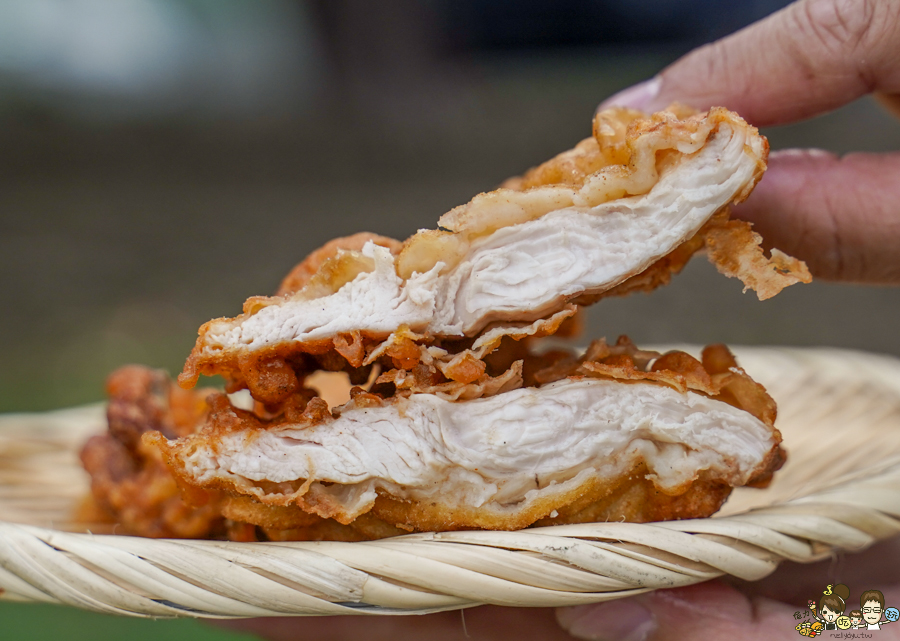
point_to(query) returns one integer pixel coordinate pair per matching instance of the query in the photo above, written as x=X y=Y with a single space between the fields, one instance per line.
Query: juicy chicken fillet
x=620 y=212
x=610 y=436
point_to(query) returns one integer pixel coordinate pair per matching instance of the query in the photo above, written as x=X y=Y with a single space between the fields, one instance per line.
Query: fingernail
x=811 y=152
x=638 y=96
x=613 y=621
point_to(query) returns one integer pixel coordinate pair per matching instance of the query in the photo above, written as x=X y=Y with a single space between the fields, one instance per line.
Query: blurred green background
x=21 y=622
x=165 y=159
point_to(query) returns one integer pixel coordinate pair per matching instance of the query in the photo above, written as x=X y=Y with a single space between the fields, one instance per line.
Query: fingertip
x=641 y=96
x=787 y=177
x=622 y=620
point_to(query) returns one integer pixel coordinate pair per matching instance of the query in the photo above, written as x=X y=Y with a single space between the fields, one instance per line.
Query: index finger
x=808 y=58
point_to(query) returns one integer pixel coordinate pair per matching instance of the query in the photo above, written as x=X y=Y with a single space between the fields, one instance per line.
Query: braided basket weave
x=839 y=412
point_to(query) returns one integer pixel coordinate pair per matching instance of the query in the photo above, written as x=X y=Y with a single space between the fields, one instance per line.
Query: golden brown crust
x=637 y=500
x=734 y=248
x=607 y=147
x=301 y=274
x=129 y=481
x=258 y=522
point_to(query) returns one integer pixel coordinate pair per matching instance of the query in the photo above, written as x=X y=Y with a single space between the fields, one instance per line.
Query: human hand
x=840 y=215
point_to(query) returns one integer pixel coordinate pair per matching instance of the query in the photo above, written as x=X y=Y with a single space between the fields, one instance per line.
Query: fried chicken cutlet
x=456 y=420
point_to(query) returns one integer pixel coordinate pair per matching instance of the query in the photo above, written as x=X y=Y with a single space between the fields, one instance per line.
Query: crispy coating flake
x=717 y=376
x=735 y=250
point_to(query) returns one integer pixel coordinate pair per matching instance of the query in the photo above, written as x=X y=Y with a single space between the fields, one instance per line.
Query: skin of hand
x=840 y=215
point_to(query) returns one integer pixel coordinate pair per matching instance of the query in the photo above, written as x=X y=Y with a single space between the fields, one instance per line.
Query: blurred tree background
x=162 y=160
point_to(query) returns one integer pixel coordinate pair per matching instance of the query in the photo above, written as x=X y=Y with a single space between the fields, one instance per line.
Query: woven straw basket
x=840 y=490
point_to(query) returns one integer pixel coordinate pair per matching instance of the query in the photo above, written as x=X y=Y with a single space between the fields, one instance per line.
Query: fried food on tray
x=457 y=417
x=632 y=203
x=618 y=433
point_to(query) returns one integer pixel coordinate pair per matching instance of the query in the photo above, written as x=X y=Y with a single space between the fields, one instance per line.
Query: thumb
x=706 y=611
x=809 y=58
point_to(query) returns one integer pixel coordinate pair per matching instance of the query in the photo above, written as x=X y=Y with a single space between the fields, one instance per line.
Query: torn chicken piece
x=617 y=434
x=622 y=211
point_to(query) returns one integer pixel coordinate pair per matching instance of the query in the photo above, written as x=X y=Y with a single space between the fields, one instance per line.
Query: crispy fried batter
x=717 y=376
x=254 y=521
x=735 y=250
x=300 y=275
x=736 y=387
x=638 y=500
x=609 y=146
x=423 y=379
x=129 y=479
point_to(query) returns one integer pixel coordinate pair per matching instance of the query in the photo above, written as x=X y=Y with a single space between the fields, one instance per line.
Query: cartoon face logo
x=871 y=612
x=830 y=615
